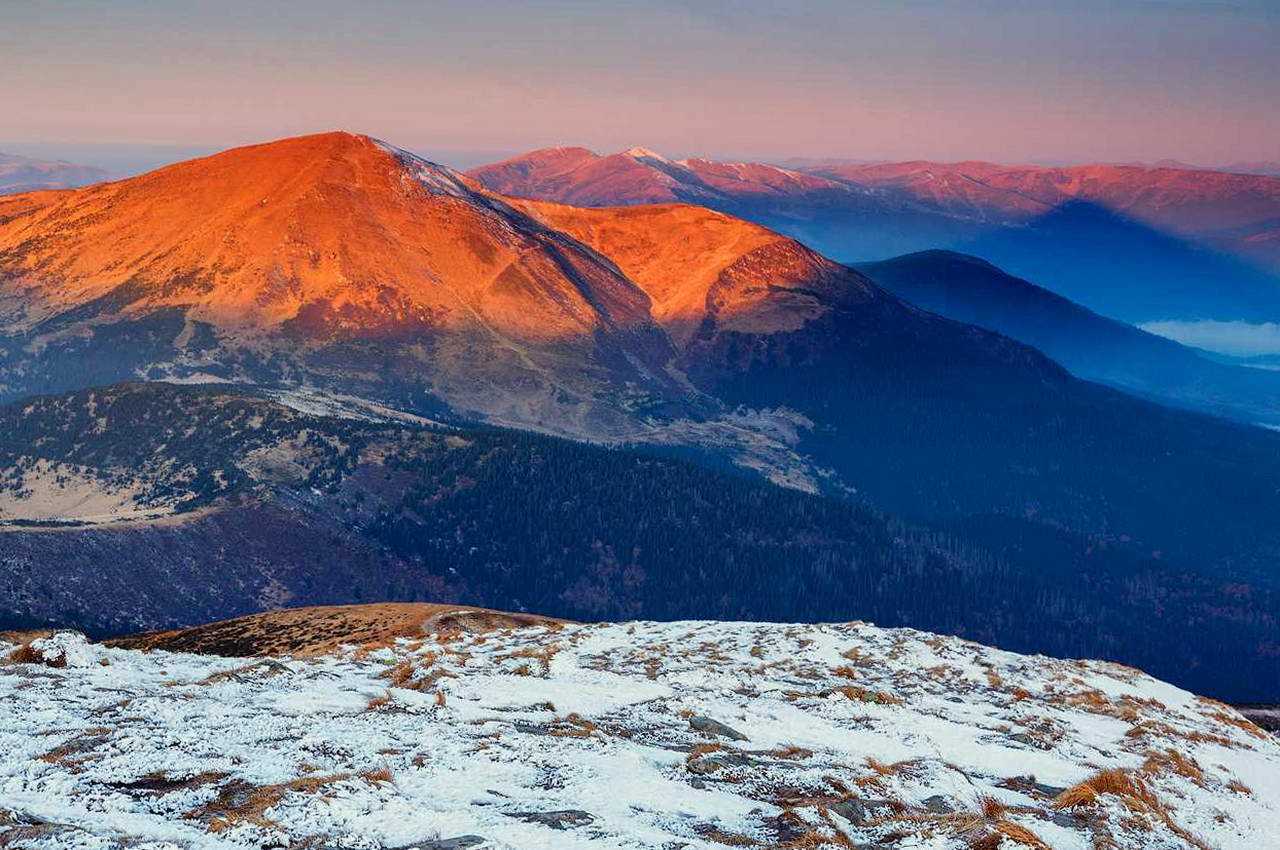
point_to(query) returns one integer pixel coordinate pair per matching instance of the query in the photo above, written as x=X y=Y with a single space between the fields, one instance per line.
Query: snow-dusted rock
x=596 y=736
x=64 y=649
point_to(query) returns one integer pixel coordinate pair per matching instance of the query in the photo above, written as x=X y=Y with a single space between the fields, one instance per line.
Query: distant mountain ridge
x=25 y=174
x=1134 y=243
x=638 y=176
x=972 y=290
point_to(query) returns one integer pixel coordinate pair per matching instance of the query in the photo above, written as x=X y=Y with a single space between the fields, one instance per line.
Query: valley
x=232 y=503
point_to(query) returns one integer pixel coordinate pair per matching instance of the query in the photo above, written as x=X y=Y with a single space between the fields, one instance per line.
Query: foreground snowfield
x=646 y=735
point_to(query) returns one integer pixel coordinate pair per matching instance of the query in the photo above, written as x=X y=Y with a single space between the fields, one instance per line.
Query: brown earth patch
x=323 y=629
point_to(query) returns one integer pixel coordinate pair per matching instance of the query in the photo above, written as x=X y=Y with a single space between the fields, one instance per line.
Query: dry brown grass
x=991 y=808
x=857 y=694
x=652 y=667
x=1151 y=727
x=1090 y=700
x=1195 y=736
x=418 y=673
x=1125 y=784
x=813 y=838
x=729 y=839
x=83 y=742
x=880 y=767
x=1131 y=789
x=1003 y=829
x=239 y=803
x=1241 y=723
x=573 y=726
x=25 y=654
x=235 y=673
x=855 y=655
x=163 y=783
x=540 y=655
x=1172 y=761
x=984 y=828
x=401 y=674
x=323 y=630
x=700 y=750
x=373 y=777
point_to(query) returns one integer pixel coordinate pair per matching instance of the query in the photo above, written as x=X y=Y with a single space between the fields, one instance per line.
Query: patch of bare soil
x=322 y=629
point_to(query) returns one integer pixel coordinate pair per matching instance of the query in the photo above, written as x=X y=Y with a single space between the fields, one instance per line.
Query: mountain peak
x=644 y=153
x=268 y=233
x=317 y=242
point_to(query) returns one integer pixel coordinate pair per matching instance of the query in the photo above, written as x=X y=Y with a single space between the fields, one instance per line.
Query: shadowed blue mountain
x=1104 y=260
x=1128 y=270
x=971 y=290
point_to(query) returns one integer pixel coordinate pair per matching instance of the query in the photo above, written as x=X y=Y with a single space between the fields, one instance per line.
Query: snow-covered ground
x=644 y=735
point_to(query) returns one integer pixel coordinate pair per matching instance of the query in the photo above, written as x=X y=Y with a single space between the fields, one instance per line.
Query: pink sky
x=941 y=80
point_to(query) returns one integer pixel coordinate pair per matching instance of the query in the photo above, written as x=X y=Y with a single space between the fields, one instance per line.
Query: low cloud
x=1242 y=339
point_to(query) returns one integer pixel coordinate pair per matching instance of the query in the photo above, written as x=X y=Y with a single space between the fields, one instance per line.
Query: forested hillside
x=256 y=505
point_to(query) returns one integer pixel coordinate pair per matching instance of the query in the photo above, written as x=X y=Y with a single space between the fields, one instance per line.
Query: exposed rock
x=938 y=804
x=713 y=762
x=457 y=843
x=715 y=728
x=563 y=819
x=858 y=811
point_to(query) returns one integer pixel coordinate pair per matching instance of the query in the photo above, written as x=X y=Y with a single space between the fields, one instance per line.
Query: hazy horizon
x=1197 y=82
x=124 y=160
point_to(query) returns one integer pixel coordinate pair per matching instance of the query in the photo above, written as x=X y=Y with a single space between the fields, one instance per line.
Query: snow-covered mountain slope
x=644 y=735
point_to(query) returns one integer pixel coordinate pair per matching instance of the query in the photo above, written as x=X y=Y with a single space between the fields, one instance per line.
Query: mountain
x=190 y=504
x=972 y=290
x=301 y=508
x=332 y=257
x=963 y=421
x=689 y=734
x=829 y=215
x=1134 y=243
x=342 y=275
x=1270 y=169
x=1177 y=200
x=639 y=176
x=23 y=174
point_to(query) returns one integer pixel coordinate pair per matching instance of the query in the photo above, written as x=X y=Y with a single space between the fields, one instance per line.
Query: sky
x=467 y=82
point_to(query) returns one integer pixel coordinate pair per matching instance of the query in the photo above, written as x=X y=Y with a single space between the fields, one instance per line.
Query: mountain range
x=24 y=174
x=1134 y=243
x=343 y=274
x=971 y=290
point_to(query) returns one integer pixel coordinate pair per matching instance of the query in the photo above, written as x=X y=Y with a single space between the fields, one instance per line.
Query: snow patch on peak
x=437 y=179
x=645 y=153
